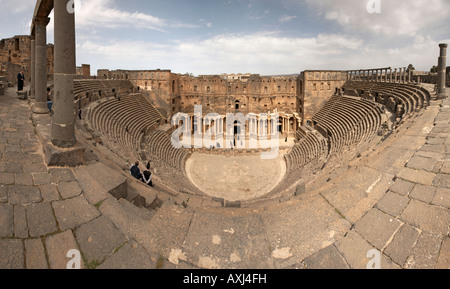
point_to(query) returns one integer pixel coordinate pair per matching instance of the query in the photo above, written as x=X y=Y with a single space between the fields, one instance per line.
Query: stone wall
x=84 y=71
x=448 y=76
x=317 y=87
x=172 y=93
x=15 y=55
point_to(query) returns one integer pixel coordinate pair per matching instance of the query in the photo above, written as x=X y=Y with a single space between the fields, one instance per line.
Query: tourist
x=49 y=100
x=20 y=81
x=135 y=171
x=147 y=176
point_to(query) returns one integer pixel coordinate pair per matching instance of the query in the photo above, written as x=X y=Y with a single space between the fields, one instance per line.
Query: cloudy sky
x=248 y=36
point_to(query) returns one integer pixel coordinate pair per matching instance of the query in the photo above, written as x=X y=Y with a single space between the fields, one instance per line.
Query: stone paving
x=395 y=200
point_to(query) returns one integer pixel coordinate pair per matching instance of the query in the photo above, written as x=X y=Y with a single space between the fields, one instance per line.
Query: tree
x=410 y=68
x=434 y=69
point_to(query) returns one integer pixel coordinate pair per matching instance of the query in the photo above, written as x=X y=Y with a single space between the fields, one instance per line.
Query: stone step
x=145 y=214
x=97 y=180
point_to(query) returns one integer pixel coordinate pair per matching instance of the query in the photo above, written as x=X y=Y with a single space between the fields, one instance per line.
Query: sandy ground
x=235 y=178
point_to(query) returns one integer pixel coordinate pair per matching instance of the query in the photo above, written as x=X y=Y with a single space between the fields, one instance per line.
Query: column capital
x=443 y=45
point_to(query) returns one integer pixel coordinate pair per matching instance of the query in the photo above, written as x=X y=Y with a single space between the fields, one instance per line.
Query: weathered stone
x=392 y=203
x=98 y=239
x=417 y=176
x=35 y=254
x=69 y=190
x=427 y=217
x=62 y=157
x=6 y=220
x=34 y=168
x=131 y=256
x=3 y=194
x=442 y=198
x=355 y=251
x=377 y=228
x=41 y=179
x=49 y=192
x=40 y=219
x=445 y=168
x=423 y=193
x=24 y=179
x=15 y=168
x=24 y=195
x=421 y=163
x=11 y=254
x=236 y=237
x=328 y=258
x=61 y=175
x=57 y=248
x=442 y=181
x=402 y=244
x=444 y=255
x=402 y=187
x=426 y=252
x=109 y=179
x=72 y=213
x=6 y=179
x=298 y=229
x=20 y=223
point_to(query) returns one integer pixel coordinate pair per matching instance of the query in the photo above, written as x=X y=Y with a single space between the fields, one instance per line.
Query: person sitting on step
x=135 y=171
x=147 y=176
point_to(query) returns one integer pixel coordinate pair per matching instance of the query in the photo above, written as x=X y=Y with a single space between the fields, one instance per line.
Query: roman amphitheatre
x=360 y=164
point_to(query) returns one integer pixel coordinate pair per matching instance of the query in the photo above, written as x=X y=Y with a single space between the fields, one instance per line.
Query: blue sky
x=248 y=36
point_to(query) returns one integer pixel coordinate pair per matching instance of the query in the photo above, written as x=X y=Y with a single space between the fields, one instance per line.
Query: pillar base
x=442 y=96
x=40 y=108
x=64 y=157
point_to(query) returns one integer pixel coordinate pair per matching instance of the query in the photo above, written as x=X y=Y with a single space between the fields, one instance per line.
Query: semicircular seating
x=346 y=122
x=123 y=123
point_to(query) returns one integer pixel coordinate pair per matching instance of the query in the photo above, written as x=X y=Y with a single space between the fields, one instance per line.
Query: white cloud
x=285 y=18
x=105 y=14
x=16 y=7
x=264 y=53
x=397 y=18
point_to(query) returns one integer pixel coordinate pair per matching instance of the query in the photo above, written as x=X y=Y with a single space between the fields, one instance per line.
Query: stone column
x=390 y=75
x=63 y=124
x=289 y=125
x=33 y=68
x=40 y=106
x=442 y=66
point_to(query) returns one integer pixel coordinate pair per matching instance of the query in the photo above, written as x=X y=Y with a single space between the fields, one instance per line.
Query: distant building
x=84 y=71
x=15 y=55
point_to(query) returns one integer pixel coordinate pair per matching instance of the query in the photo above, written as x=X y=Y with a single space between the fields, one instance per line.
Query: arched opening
x=237 y=105
x=237 y=128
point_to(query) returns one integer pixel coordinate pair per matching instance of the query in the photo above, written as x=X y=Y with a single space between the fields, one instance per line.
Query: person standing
x=20 y=81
